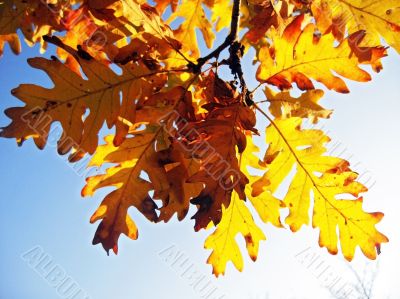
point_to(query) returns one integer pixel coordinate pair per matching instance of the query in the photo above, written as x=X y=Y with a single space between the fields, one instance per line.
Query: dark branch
x=229 y=40
x=236 y=51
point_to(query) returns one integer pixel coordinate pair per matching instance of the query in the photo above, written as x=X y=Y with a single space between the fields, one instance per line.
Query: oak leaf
x=12 y=40
x=133 y=156
x=299 y=56
x=216 y=141
x=283 y=104
x=236 y=219
x=267 y=205
x=194 y=17
x=326 y=178
x=34 y=18
x=72 y=96
x=180 y=192
x=377 y=18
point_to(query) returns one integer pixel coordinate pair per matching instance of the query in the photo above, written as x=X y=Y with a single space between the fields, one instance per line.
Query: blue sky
x=41 y=207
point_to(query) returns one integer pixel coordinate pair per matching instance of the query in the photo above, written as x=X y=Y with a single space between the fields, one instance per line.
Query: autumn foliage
x=183 y=133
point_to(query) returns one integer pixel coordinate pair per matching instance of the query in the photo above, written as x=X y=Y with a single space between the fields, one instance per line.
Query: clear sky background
x=40 y=205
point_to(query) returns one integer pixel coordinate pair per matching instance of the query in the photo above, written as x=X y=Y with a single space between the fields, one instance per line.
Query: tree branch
x=236 y=51
x=229 y=40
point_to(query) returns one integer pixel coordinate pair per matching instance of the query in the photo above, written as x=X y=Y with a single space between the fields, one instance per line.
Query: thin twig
x=257 y=87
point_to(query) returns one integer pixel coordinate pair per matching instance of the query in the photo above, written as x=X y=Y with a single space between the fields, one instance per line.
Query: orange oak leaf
x=34 y=18
x=215 y=143
x=73 y=95
x=133 y=156
x=12 y=40
x=299 y=55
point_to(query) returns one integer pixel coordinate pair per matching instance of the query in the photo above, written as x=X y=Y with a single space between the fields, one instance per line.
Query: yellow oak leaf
x=377 y=18
x=282 y=104
x=194 y=15
x=325 y=179
x=236 y=219
x=220 y=13
x=139 y=18
x=266 y=204
x=298 y=55
x=137 y=21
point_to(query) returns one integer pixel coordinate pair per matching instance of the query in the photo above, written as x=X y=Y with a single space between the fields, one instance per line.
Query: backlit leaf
x=299 y=56
x=377 y=18
x=318 y=179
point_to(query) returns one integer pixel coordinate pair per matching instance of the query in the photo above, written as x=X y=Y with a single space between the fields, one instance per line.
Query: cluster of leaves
x=184 y=136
